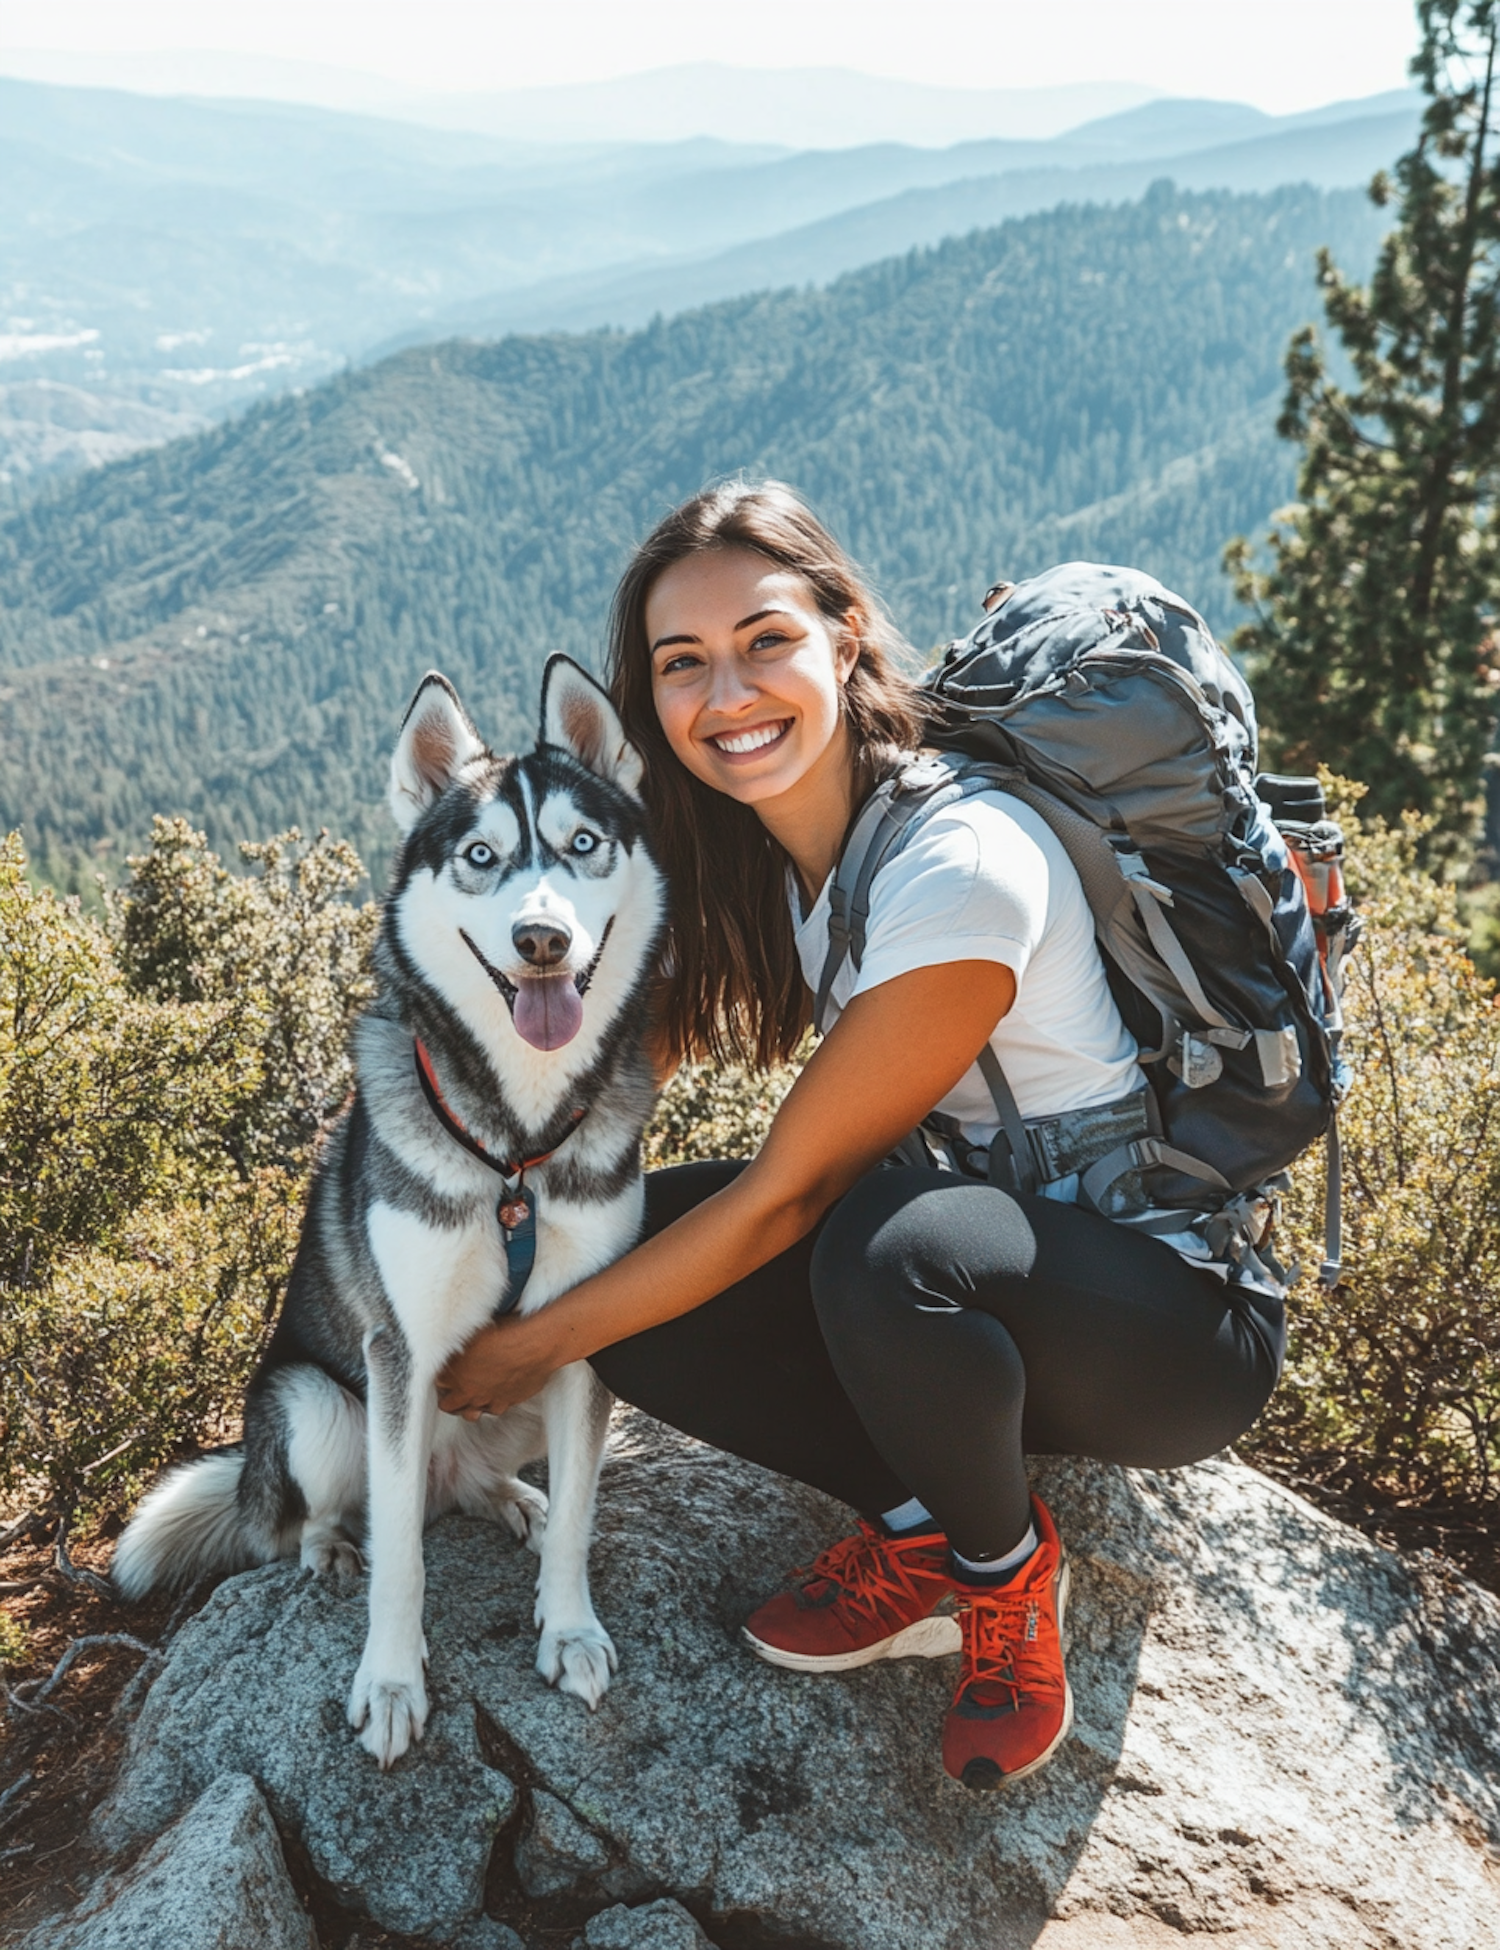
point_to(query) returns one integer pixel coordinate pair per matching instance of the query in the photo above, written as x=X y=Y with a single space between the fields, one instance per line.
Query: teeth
x=751 y=741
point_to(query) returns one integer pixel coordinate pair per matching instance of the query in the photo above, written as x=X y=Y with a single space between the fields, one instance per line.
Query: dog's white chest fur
x=444 y=1283
x=441 y=1283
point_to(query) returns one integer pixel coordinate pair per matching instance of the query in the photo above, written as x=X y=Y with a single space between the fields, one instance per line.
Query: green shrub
x=708 y=1112
x=129 y=1353
x=188 y=930
x=1393 y=1380
x=108 y=1103
x=143 y=1242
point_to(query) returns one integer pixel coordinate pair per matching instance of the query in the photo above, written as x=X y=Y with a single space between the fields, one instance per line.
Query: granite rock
x=216 y=1880
x=256 y=1683
x=1284 y=1734
x=556 y=1854
x=663 y=1925
x=485 y=1933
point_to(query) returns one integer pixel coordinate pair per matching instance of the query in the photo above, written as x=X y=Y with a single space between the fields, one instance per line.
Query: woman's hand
x=508 y=1361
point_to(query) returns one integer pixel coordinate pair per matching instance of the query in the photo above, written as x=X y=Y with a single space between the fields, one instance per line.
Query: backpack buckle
x=923 y=774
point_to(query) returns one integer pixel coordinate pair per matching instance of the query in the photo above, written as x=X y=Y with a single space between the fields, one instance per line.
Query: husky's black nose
x=542 y=943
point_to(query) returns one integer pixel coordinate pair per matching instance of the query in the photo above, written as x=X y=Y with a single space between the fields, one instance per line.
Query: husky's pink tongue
x=548 y=1011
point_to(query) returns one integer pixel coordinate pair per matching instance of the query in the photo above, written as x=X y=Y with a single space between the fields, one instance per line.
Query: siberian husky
x=503 y=1085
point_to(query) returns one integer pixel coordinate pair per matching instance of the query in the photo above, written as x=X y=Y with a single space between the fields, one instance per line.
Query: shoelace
x=1009 y=1643
x=868 y=1568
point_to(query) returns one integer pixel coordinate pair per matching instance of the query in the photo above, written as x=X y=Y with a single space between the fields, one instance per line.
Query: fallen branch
x=32 y=1693
x=22 y=1527
x=118 y=1450
x=78 y=1573
x=15 y=1704
x=15 y=1788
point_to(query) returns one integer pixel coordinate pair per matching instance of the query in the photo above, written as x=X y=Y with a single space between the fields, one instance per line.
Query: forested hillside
x=230 y=626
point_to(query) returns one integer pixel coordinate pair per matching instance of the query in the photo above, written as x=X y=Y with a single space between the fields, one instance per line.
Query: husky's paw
x=332 y=1557
x=523 y=1511
x=392 y=1712
x=578 y=1659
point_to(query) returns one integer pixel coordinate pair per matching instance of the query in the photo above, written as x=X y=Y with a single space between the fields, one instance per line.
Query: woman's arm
x=895 y=1052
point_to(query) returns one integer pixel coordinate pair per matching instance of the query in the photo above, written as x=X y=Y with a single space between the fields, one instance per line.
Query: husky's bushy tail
x=188 y=1527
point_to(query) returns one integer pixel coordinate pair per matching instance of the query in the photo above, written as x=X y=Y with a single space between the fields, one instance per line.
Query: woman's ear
x=846 y=651
x=437 y=742
x=578 y=717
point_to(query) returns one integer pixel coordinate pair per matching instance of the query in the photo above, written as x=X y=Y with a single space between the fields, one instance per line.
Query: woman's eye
x=585 y=842
x=769 y=640
x=684 y=661
x=479 y=855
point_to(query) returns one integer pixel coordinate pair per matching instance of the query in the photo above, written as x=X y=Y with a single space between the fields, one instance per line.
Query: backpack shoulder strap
x=886 y=822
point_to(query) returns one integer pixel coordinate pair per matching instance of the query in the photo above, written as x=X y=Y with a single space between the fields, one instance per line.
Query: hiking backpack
x=1101 y=700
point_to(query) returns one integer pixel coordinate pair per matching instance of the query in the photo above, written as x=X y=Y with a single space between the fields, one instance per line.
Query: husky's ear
x=437 y=741
x=578 y=716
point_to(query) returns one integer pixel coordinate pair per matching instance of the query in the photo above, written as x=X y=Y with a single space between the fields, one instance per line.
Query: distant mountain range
x=1331 y=154
x=230 y=625
x=164 y=262
x=801 y=108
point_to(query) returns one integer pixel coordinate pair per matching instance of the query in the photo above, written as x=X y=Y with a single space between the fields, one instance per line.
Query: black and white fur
x=401 y=1257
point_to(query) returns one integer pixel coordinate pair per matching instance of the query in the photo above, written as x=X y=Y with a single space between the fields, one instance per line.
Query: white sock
x=989 y=1567
x=913 y=1514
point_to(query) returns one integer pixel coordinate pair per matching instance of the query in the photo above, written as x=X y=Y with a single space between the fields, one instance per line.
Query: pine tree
x=1373 y=648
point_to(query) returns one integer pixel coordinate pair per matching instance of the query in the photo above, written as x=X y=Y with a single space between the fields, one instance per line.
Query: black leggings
x=932 y=1330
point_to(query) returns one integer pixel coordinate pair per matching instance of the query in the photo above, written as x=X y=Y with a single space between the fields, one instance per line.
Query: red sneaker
x=1013 y=1707
x=867 y=1597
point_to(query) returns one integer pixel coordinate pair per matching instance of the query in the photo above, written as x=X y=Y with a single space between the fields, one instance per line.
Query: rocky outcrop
x=1284 y=1736
x=215 y=1880
x=259 y=1681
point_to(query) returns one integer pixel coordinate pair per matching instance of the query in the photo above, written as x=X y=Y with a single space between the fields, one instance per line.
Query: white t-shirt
x=986 y=879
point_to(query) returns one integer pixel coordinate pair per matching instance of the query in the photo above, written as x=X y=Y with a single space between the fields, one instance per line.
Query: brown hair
x=734 y=990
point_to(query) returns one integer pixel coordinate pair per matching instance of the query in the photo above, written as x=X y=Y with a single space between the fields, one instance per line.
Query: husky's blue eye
x=479 y=855
x=585 y=842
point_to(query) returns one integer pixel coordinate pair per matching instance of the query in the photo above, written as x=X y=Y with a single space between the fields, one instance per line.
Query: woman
x=898 y=1337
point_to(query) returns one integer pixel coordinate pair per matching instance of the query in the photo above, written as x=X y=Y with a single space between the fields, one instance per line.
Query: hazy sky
x=1279 y=54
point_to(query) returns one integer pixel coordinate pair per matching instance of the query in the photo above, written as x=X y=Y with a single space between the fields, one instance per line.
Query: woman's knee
x=907 y=1228
x=856 y=1250
x=895 y=1303
x=897 y=1238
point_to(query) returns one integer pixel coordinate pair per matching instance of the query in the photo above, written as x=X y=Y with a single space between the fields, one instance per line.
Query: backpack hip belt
x=1067 y=1145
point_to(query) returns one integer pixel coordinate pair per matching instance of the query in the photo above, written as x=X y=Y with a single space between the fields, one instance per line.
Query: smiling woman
x=898 y=1337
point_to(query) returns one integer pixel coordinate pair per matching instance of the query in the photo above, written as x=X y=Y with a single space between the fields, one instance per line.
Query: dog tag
x=517 y=1216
